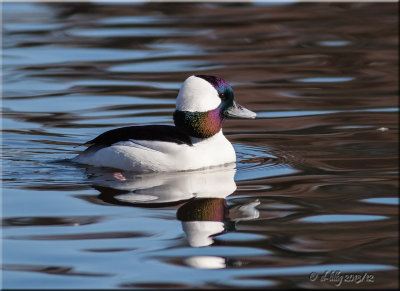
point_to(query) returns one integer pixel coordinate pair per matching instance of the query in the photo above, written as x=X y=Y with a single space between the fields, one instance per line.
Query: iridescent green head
x=203 y=103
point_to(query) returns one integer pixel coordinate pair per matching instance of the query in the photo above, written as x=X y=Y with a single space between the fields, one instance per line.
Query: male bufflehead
x=196 y=141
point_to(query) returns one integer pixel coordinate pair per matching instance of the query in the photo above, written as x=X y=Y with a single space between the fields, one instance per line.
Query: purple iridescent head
x=203 y=103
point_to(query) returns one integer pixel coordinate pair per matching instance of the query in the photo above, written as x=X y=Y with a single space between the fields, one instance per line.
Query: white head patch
x=196 y=94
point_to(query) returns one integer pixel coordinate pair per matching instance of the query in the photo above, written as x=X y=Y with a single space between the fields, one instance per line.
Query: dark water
x=316 y=182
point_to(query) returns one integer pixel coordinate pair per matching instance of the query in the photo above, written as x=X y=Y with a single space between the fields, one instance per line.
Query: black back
x=166 y=133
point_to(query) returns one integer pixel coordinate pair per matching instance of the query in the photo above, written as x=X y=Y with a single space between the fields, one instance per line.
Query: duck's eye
x=222 y=96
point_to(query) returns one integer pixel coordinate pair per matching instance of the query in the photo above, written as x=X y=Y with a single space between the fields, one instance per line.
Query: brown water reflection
x=316 y=183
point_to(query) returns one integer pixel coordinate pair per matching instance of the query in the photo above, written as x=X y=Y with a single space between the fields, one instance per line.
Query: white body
x=160 y=156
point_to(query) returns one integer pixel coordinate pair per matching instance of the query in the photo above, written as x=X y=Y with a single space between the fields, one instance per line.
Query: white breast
x=159 y=156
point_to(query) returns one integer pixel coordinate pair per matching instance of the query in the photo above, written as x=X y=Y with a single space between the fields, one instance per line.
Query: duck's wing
x=165 y=133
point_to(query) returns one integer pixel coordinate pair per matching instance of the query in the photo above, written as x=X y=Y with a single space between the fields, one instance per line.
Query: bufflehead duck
x=196 y=141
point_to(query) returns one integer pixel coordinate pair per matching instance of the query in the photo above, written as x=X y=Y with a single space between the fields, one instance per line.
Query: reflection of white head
x=199 y=232
x=204 y=218
x=206 y=262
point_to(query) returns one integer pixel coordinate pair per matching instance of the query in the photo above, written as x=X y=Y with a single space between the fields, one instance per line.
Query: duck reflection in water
x=204 y=213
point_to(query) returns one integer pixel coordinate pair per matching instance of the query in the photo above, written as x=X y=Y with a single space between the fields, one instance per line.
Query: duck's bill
x=238 y=111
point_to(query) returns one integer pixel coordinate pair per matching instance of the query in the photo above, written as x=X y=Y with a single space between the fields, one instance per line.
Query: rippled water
x=315 y=186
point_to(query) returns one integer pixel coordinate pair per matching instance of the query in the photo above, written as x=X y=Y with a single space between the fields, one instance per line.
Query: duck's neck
x=199 y=124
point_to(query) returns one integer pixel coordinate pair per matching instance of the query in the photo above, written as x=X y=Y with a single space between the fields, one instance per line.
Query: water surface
x=315 y=186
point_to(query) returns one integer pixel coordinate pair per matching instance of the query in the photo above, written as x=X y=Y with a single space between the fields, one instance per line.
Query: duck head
x=203 y=103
